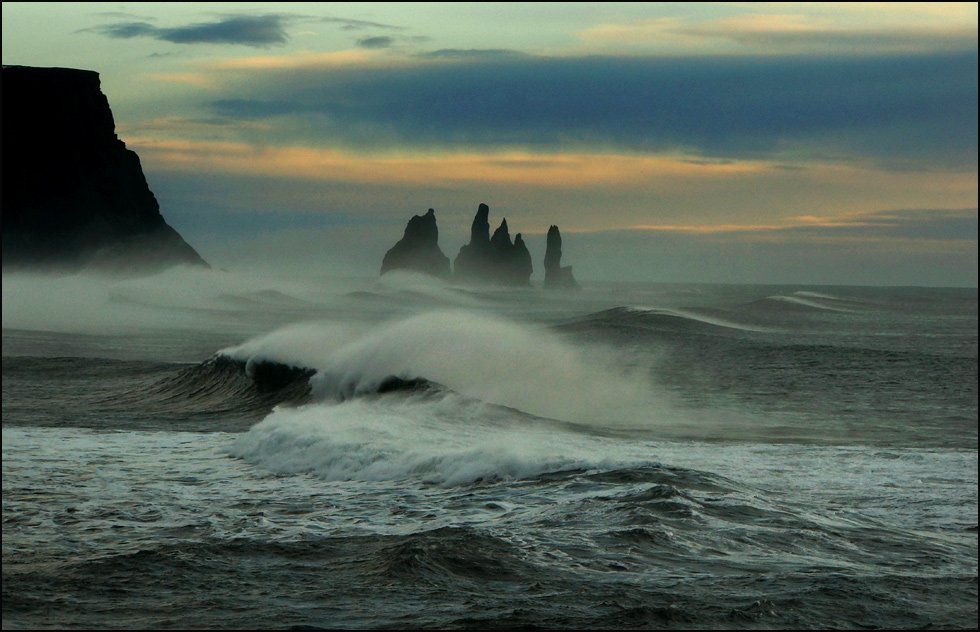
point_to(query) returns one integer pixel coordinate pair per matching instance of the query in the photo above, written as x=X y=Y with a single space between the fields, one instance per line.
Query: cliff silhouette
x=556 y=277
x=494 y=259
x=418 y=249
x=486 y=259
x=73 y=195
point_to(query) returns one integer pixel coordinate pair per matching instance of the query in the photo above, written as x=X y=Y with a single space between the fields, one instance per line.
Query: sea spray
x=488 y=358
x=182 y=297
x=307 y=344
x=834 y=484
x=509 y=401
x=447 y=441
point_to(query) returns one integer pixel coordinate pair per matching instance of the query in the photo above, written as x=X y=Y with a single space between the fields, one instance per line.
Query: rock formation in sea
x=555 y=276
x=496 y=259
x=73 y=195
x=418 y=249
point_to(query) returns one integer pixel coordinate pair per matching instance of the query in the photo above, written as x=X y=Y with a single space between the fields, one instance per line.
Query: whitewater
x=203 y=449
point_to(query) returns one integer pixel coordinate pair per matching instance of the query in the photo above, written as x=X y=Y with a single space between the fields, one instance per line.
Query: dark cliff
x=73 y=195
x=555 y=276
x=495 y=259
x=418 y=249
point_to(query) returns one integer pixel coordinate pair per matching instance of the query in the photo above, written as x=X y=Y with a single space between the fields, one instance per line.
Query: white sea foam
x=492 y=366
x=447 y=441
x=488 y=358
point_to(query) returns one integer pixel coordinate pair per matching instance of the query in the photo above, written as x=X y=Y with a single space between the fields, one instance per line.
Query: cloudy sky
x=825 y=143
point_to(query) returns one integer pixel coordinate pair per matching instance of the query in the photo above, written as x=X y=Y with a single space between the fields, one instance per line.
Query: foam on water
x=508 y=384
x=480 y=356
x=448 y=441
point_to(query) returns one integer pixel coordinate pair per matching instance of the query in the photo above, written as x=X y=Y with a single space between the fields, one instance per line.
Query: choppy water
x=238 y=455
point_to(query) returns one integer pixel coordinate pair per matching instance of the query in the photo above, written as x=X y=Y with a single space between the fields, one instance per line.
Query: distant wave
x=818 y=295
x=813 y=301
x=663 y=320
x=707 y=319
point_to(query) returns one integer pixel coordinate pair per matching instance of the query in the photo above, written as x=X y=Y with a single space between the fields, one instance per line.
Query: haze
x=746 y=143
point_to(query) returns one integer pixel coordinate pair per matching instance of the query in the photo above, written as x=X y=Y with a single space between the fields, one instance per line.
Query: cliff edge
x=73 y=195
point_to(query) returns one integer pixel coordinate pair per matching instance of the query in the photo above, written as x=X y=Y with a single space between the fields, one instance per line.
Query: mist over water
x=631 y=455
x=493 y=360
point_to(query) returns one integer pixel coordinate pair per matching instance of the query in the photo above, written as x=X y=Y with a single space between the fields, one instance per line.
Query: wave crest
x=491 y=359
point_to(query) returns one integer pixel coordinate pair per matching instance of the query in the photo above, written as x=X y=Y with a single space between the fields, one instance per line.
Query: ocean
x=207 y=449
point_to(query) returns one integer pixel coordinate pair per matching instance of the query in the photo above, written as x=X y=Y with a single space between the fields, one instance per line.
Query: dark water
x=623 y=457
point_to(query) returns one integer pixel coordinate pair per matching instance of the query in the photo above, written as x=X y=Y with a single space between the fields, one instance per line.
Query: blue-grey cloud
x=121 y=15
x=381 y=41
x=248 y=30
x=261 y=30
x=355 y=25
x=126 y=30
x=907 y=110
x=472 y=53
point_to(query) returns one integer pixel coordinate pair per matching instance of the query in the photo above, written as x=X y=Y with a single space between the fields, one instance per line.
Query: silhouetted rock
x=555 y=276
x=73 y=195
x=418 y=249
x=521 y=267
x=494 y=259
x=476 y=257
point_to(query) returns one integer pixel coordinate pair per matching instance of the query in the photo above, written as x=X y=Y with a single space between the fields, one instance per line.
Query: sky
x=804 y=143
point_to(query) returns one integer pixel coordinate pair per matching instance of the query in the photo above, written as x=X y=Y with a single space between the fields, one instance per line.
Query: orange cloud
x=515 y=168
x=796 y=32
x=708 y=229
x=303 y=60
x=212 y=74
x=847 y=227
x=668 y=193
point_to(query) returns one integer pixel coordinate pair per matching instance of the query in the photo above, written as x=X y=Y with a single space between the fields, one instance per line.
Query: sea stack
x=418 y=249
x=555 y=276
x=74 y=196
x=494 y=260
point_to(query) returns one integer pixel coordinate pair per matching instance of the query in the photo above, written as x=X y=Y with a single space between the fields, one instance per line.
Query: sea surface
x=218 y=450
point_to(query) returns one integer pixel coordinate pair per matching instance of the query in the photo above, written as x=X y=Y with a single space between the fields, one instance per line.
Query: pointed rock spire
x=494 y=259
x=555 y=276
x=418 y=249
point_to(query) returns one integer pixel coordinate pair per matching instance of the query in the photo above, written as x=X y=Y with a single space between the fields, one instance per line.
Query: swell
x=639 y=547
x=863 y=375
x=627 y=322
x=218 y=394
